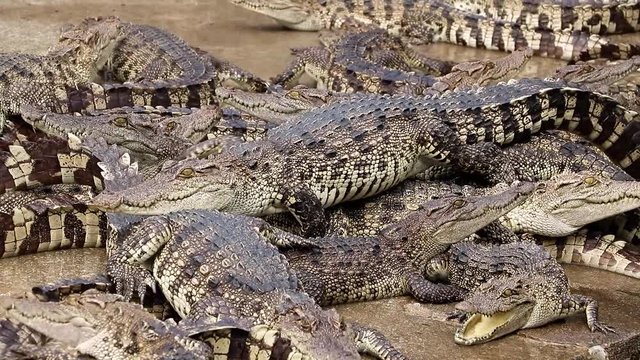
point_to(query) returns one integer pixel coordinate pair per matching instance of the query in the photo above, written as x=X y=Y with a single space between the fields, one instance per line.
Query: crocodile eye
x=459 y=203
x=506 y=293
x=590 y=181
x=120 y=121
x=293 y=94
x=186 y=173
x=171 y=125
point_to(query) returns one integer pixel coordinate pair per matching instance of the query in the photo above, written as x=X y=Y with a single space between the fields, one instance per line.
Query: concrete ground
x=259 y=45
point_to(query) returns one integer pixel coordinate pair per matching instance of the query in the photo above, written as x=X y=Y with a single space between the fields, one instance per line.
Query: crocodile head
x=451 y=218
x=277 y=105
x=567 y=202
x=186 y=184
x=293 y=14
x=147 y=137
x=313 y=332
x=506 y=304
x=90 y=44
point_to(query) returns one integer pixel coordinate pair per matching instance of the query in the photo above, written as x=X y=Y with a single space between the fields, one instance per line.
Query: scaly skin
x=347 y=269
x=595 y=249
x=30 y=159
x=594 y=17
x=99 y=325
x=37 y=79
x=49 y=218
x=151 y=57
x=352 y=149
x=483 y=72
x=425 y=21
x=511 y=286
x=150 y=138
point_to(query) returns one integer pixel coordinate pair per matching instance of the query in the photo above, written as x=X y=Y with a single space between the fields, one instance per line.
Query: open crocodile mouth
x=480 y=328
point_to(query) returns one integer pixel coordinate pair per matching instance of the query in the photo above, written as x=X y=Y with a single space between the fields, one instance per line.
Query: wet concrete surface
x=259 y=45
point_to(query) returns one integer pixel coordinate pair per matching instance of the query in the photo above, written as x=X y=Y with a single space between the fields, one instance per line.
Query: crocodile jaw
x=480 y=328
x=293 y=14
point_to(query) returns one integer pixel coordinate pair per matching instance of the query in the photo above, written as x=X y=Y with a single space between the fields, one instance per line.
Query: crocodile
x=594 y=17
x=362 y=145
x=152 y=57
x=346 y=269
x=150 y=138
x=93 y=324
x=277 y=105
x=205 y=264
x=559 y=206
x=511 y=286
x=425 y=21
x=482 y=72
x=346 y=67
x=38 y=79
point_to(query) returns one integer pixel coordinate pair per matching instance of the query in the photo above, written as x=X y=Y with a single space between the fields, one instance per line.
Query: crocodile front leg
x=126 y=267
x=426 y=291
x=305 y=206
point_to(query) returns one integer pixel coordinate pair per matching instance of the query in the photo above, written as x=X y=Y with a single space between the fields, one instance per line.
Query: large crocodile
x=345 y=269
x=219 y=269
x=424 y=21
x=362 y=145
x=512 y=286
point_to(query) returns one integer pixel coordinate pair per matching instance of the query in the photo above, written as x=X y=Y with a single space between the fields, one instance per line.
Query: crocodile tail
x=29 y=159
x=597 y=250
x=600 y=47
x=593 y=116
x=110 y=96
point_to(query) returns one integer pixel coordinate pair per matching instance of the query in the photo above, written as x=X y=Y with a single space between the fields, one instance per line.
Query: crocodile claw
x=598 y=326
x=130 y=279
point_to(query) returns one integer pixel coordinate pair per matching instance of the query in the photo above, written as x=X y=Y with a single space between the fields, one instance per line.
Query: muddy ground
x=259 y=45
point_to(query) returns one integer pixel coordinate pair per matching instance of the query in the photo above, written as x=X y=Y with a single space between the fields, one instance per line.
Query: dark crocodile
x=346 y=66
x=362 y=145
x=511 y=286
x=92 y=324
x=425 y=21
x=346 y=269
